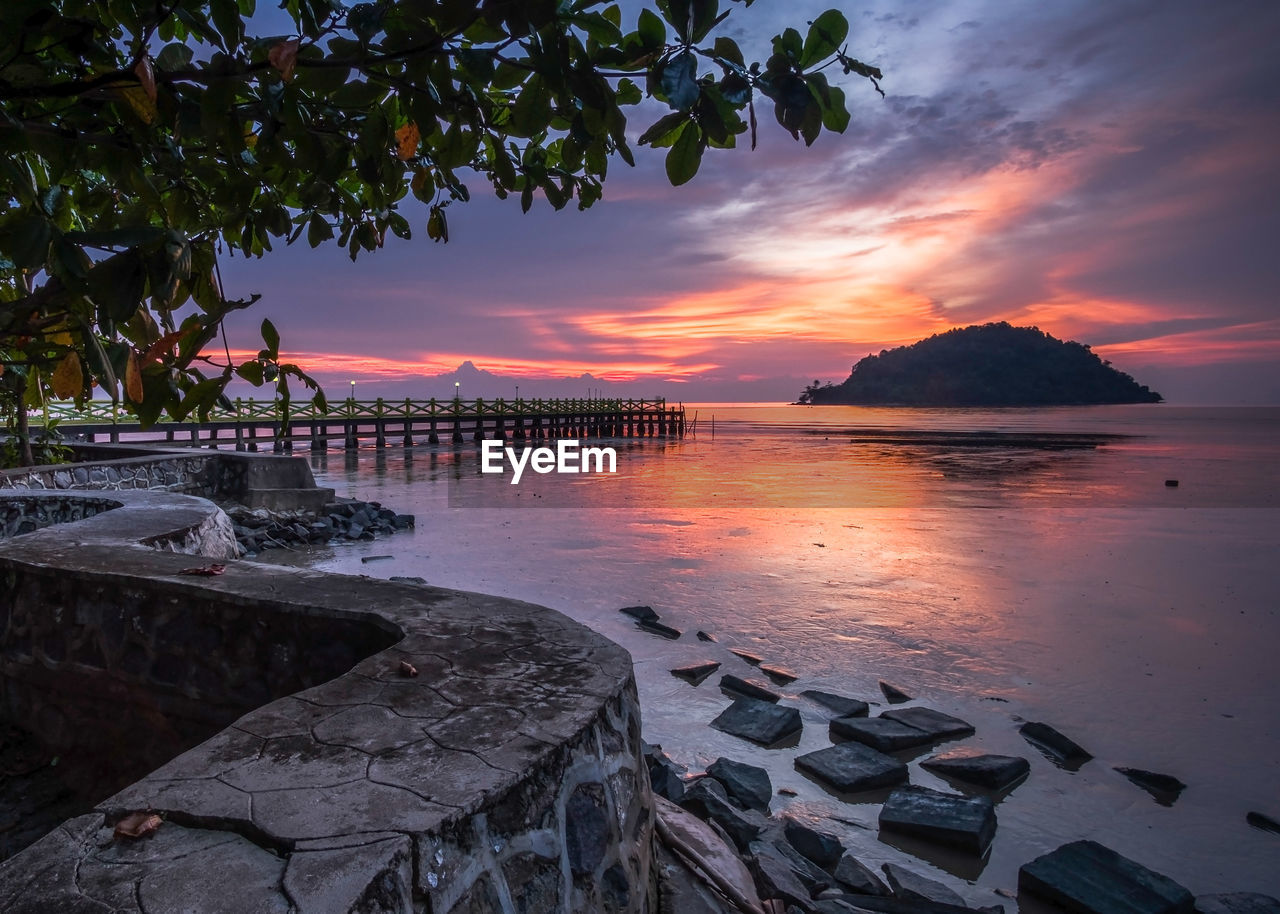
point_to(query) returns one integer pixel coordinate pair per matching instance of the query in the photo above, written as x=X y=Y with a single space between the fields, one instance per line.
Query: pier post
x=433 y=437
x=213 y=437
x=316 y=442
x=351 y=443
x=239 y=437
x=380 y=427
x=253 y=435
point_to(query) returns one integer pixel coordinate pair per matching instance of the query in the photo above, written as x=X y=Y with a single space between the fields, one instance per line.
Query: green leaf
x=652 y=30
x=117 y=285
x=271 y=337
x=679 y=81
x=727 y=49
x=685 y=156
x=665 y=127
x=628 y=92
x=251 y=372
x=826 y=34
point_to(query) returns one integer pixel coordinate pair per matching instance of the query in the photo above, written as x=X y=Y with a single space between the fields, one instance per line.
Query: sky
x=1106 y=171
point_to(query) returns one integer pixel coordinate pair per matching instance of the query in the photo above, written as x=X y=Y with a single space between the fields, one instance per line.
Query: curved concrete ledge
x=505 y=776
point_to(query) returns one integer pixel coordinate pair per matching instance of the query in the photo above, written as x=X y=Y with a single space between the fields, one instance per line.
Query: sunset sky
x=1106 y=171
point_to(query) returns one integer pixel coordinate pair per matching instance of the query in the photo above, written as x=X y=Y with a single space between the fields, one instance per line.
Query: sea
x=1110 y=571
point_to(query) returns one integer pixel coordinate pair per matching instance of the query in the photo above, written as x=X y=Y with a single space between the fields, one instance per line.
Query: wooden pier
x=252 y=424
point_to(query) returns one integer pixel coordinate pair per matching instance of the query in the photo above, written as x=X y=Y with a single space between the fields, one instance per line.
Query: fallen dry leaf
x=205 y=571
x=138 y=825
x=284 y=57
x=408 y=669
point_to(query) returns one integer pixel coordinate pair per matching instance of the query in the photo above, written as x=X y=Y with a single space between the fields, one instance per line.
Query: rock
x=911 y=886
x=404 y=521
x=746 y=785
x=758 y=721
x=893 y=694
x=1263 y=821
x=408 y=579
x=935 y=723
x=1171 y=483
x=740 y=686
x=1237 y=903
x=778 y=674
x=365 y=560
x=995 y=772
x=696 y=673
x=879 y=733
x=823 y=849
x=658 y=628
x=967 y=823
x=640 y=613
x=1088 y=878
x=1164 y=787
x=703 y=636
x=858 y=878
x=665 y=779
x=775 y=878
x=1054 y=746
x=809 y=873
x=842 y=705
x=707 y=798
x=852 y=767
x=747 y=656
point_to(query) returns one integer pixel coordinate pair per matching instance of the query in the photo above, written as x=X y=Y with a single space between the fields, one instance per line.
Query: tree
x=143 y=139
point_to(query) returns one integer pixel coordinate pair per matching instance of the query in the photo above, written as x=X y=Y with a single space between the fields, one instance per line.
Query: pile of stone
x=344 y=520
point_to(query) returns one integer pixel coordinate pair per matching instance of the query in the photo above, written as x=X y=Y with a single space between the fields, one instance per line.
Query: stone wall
x=505 y=775
x=27 y=514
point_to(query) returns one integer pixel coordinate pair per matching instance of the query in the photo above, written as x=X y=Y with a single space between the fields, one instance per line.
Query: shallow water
x=998 y=583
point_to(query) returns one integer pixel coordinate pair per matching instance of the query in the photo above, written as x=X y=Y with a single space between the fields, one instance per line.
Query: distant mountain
x=986 y=365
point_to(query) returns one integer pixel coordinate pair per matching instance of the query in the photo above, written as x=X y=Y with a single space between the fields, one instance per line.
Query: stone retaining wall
x=505 y=776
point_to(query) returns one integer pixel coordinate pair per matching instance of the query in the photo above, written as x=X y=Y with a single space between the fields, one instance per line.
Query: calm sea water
x=1041 y=570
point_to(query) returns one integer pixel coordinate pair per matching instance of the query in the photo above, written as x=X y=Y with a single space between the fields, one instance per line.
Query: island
x=984 y=365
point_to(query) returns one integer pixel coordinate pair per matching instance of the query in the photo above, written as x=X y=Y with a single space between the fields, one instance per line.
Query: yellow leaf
x=284 y=57
x=407 y=141
x=142 y=104
x=133 y=378
x=61 y=338
x=68 y=379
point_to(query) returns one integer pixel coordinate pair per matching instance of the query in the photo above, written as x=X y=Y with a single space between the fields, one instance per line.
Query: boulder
x=696 y=673
x=775 y=877
x=1087 y=878
x=746 y=785
x=966 y=823
x=935 y=723
x=706 y=798
x=995 y=772
x=758 y=721
x=911 y=886
x=814 y=878
x=658 y=628
x=1165 y=788
x=1057 y=748
x=852 y=767
x=893 y=694
x=740 y=686
x=842 y=705
x=1237 y=903
x=640 y=613
x=820 y=847
x=879 y=733
x=858 y=878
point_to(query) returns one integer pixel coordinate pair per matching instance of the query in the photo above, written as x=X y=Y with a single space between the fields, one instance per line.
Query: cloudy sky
x=1106 y=171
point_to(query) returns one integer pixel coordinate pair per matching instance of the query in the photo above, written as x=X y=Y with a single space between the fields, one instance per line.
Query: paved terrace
x=504 y=776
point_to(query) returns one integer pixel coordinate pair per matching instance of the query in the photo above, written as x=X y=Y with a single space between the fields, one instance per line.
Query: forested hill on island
x=986 y=365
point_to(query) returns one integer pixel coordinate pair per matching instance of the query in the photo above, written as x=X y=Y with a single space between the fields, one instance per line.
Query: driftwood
x=707 y=855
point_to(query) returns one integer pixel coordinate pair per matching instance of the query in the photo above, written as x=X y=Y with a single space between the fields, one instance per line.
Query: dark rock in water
x=809 y=873
x=696 y=673
x=1054 y=746
x=703 y=636
x=640 y=613
x=758 y=721
x=1086 y=877
x=935 y=723
x=408 y=579
x=1263 y=821
x=1171 y=483
x=893 y=694
x=1164 y=787
x=740 y=686
x=823 y=849
x=778 y=674
x=1237 y=903
x=858 y=878
x=658 y=628
x=365 y=560
x=746 y=785
x=967 y=823
x=775 y=878
x=842 y=705
x=707 y=798
x=852 y=767
x=747 y=656
x=995 y=772
x=911 y=886
x=404 y=521
x=879 y=733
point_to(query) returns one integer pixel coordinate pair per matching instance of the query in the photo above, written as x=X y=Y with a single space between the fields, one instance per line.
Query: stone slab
x=736 y=685
x=935 y=723
x=880 y=733
x=1057 y=748
x=758 y=721
x=747 y=785
x=852 y=767
x=859 y=878
x=966 y=823
x=696 y=673
x=994 y=772
x=820 y=847
x=909 y=885
x=842 y=705
x=1237 y=903
x=1087 y=878
x=893 y=694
